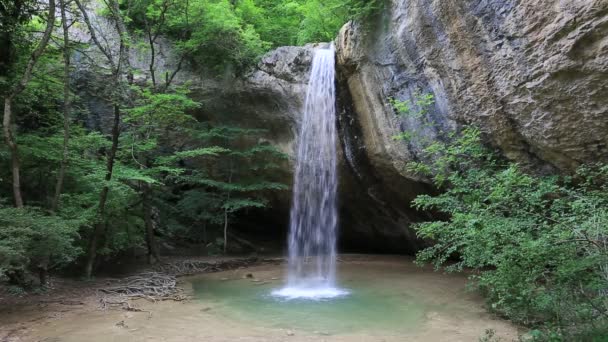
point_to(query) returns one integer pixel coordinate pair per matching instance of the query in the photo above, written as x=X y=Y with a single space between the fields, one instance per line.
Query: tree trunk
x=115 y=65
x=43 y=269
x=151 y=67
x=92 y=249
x=9 y=138
x=226 y=211
x=205 y=233
x=9 y=135
x=43 y=274
x=153 y=250
x=103 y=197
x=225 y=230
x=66 y=107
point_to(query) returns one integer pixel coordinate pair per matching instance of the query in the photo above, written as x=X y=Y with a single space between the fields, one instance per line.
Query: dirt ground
x=64 y=299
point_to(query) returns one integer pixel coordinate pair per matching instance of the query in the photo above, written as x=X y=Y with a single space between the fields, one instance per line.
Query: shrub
x=29 y=239
x=537 y=244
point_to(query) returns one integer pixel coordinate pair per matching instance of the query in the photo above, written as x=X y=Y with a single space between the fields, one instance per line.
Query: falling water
x=312 y=232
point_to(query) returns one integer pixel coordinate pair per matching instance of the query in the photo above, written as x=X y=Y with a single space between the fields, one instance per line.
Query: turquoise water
x=367 y=308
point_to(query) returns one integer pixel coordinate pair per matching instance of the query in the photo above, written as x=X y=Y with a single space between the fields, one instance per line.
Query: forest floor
x=74 y=310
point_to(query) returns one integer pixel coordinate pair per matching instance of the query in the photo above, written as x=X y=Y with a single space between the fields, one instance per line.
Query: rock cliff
x=532 y=74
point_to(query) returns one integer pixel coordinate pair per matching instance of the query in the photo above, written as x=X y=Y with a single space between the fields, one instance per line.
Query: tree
x=13 y=14
x=160 y=108
x=66 y=104
x=28 y=236
x=44 y=262
x=116 y=68
x=240 y=179
x=9 y=96
x=219 y=39
x=156 y=115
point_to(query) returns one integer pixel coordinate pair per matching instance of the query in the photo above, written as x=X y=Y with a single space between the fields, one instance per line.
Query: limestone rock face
x=532 y=74
x=270 y=97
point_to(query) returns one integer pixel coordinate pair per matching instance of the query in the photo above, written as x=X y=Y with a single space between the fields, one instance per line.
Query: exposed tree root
x=190 y=267
x=152 y=286
x=161 y=284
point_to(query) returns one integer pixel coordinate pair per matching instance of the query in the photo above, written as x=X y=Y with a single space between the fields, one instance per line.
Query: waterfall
x=314 y=217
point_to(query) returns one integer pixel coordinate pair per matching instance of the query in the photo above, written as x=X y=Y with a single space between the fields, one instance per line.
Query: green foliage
x=154 y=118
x=188 y=154
x=277 y=22
x=14 y=13
x=28 y=235
x=230 y=36
x=18 y=19
x=537 y=244
x=238 y=175
x=209 y=32
x=85 y=176
x=417 y=109
x=322 y=19
x=220 y=37
x=234 y=205
x=158 y=111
